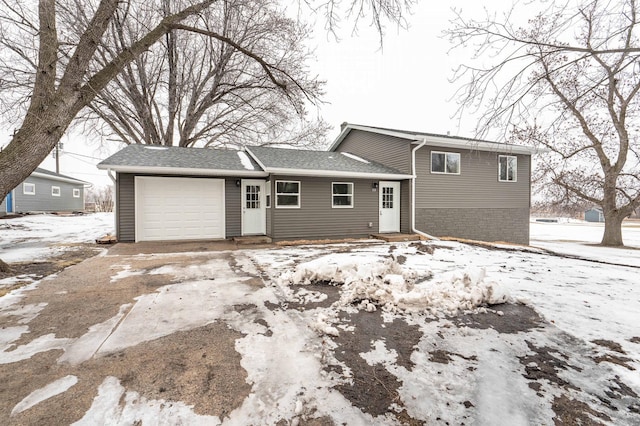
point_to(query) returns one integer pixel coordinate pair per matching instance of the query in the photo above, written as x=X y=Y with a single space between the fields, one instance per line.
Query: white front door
x=254 y=220
x=389 y=207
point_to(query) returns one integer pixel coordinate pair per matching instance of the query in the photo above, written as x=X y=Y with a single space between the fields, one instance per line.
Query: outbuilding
x=45 y=191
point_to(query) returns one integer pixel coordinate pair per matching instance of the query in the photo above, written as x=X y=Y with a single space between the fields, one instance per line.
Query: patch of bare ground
x=374 y=389
x=35 y=270
x=506 y=318
x=198 y=367
x=570 y=411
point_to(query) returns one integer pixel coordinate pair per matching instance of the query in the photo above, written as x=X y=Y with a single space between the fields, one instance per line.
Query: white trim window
x=341 y=195
x=29 y=188
x=507 y=168
x=445 y=162
x=287 y=194
x=55 y=191
x=76 y=192
x=267 y=194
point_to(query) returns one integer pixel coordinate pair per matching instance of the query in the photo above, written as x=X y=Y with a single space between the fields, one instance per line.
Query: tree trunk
x=4 y=267
x=613 y=229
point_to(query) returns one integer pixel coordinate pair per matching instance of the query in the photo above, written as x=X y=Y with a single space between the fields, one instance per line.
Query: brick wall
x=509 y=225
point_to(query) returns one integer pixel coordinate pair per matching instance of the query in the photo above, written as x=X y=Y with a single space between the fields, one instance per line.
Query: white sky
x=404 y=85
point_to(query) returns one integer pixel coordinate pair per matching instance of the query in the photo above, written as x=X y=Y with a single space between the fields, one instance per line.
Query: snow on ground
x=416 y=283
x=32 y=237
x=579 y=238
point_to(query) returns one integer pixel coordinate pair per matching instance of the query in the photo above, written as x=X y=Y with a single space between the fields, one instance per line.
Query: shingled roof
x=255 y=161
x=178 y=160
x=319 y=163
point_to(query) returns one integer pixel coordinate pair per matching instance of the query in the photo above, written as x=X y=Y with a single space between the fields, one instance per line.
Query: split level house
x=45 y=191
x=371 y=180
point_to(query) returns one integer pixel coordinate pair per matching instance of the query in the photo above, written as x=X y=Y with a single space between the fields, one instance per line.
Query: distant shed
x=594 y=214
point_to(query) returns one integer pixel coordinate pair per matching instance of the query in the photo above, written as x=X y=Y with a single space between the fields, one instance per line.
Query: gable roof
x=48 y=174
x=320 y=163
x=434 y=139
x=179 y=160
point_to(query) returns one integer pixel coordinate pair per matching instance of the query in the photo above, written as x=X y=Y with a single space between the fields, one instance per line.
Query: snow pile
x=373 y=283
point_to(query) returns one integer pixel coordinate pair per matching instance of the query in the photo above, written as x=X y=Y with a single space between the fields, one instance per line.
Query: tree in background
x=197 y=89
x=53 y=67
x=567 y=80
x=101 y=198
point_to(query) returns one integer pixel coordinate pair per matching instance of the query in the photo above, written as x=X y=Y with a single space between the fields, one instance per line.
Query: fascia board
x=182 y=171
x=336 y=174
x=477 y=145
x=59 y=178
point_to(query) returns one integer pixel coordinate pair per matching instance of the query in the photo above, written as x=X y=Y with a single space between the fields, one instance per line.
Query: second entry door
x=389 y=207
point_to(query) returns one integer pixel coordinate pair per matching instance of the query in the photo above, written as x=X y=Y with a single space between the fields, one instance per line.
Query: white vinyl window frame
x=76 y=192
x=29 y=188
x=348 y=195
x=280 y=194
x=446 y=170
x=55 y=191
x=267 y=194
x=507 y=168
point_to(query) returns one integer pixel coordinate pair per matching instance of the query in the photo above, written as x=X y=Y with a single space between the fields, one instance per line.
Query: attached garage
x=173 y=208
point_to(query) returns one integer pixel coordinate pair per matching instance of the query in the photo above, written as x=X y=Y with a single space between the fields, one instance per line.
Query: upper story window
x=55 y=191
x=445 y=162
x=76 y=193
x=288 y=194
x=507 y=168
x=342 y=194
x=29 y=188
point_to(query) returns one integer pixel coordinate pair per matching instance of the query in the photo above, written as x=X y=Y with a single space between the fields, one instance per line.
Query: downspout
x=413 y=193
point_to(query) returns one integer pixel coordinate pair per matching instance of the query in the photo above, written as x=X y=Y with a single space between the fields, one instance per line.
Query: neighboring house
x=45 y=191
x=370 y=181
x=594 y=214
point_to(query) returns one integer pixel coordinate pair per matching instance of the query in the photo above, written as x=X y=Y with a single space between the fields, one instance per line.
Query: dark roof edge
x=436 y=139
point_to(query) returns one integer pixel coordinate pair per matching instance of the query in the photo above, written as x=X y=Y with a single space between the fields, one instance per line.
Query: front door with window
x=253 y=207
x=389 y=207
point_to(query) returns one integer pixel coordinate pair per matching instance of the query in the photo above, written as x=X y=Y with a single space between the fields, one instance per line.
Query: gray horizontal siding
x=233 y=207
x=484 y=224
x=125 y=206
x=316 y=219
x=476 y=186
x=3 y=207
x=43 y=201
x=387 y=150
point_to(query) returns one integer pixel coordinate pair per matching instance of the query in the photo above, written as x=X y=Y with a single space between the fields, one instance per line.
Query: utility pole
x=56 y=154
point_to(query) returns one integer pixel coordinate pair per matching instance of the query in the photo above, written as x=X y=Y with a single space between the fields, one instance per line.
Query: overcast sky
x=404 y=85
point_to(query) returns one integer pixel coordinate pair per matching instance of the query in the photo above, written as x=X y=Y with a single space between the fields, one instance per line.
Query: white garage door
x=179 y=208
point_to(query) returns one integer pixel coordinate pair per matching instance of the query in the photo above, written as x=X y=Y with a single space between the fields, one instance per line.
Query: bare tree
x=196 y=89
x=568 y=81
x=102 y=198
x=68 y=75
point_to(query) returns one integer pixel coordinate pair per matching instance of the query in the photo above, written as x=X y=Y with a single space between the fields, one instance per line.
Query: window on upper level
x=445 y=162
x=507 y=168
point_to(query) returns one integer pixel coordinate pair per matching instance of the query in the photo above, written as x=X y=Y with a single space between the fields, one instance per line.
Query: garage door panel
x=179 y=208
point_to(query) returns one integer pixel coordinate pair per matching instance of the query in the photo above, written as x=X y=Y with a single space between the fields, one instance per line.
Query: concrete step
x=396 y=237
x=252 y=239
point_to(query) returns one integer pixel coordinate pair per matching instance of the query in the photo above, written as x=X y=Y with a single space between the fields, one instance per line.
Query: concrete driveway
x=87 y=324
x=205 y=333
